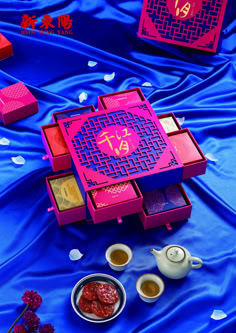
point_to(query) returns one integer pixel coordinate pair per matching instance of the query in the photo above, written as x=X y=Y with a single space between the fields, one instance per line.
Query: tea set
x=173 y=261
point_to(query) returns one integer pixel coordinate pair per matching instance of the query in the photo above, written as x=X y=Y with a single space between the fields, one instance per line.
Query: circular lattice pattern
x=183 y=28
x=17 y=90
x=183 y=9
x=142 y=159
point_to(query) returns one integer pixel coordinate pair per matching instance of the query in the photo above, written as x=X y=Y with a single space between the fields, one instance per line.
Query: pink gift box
x=121 y=98
x=69 y=215
x=58 y=161
x=112 y=146
x=110 y=195
x=189 y=153
x=116 y=210
x=72 y=112
x=5 y=48
x=166 y=217
x=169 y=122
x=16 y=102
x=193 y=23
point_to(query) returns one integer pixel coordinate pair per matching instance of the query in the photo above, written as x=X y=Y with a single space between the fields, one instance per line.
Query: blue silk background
x=192 y=84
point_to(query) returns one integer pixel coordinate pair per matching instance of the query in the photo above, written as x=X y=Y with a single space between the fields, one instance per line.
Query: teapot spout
x=155 y=253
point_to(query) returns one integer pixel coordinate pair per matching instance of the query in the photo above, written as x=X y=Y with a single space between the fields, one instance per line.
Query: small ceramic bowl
x=150 y=277
x=118 y=246
x=102 y=278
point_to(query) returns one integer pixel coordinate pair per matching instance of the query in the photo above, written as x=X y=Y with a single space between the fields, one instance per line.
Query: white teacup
x=150 y=287
x=118 y=256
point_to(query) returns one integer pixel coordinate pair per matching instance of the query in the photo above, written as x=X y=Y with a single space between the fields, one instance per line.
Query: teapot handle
x=199 y=265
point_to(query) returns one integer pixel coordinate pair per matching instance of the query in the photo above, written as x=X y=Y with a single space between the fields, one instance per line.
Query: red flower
x=47 y=328
x=32 y=321
x=19 y=329
x=32 y=299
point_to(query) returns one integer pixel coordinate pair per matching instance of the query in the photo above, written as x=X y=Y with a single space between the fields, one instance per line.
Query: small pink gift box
x=121 y=98
x=16 y=102
x=165 y=206
x=66 y=199
x=189 y=153
x=114 y=202
x=169 y=122
x=72 y=112
x=56 y=148
x=5 y=47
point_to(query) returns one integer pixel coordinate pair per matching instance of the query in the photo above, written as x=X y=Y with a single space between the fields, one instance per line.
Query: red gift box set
x=193 y=23
x=125 y=160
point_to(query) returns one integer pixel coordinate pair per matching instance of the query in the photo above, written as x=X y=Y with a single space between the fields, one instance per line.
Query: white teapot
x=175 y=262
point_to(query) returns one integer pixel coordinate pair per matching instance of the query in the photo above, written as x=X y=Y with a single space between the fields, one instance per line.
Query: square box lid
x=118 y=145
x=193 y=23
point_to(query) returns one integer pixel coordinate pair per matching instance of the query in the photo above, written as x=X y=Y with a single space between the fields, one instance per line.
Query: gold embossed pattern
x=66 y=193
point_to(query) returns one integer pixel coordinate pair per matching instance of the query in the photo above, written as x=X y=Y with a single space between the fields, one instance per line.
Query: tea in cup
x=118 y=256
x=150 y=287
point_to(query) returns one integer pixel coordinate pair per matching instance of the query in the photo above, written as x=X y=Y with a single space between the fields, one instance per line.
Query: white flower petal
x=83 y=96
x=181 y=120
x=75 y=255
x=18 y=160
x=211 y=157
x=109 y=77
x=147 y=84
x=218 y=315
x=92 y=63
x=4 y=142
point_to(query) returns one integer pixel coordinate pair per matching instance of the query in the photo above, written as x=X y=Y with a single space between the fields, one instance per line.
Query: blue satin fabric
x=195 y=85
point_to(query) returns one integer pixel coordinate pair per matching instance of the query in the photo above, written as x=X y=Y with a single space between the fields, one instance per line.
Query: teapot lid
x=175 y=253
